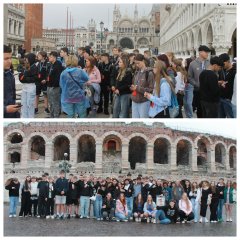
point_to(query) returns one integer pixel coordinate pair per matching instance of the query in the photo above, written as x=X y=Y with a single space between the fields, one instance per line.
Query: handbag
x=93 y=198
x=209 y=200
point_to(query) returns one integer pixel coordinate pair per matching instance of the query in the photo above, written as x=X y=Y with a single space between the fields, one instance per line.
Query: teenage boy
x=10 y=107
x=209 y=89
x=53 y=89
x=42 y=196
x=61 y=192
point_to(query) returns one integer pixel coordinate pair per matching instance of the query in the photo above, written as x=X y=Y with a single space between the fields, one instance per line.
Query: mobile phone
x=18 y=105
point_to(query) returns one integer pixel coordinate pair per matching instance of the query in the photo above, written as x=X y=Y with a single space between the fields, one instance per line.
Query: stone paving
x=91 y=227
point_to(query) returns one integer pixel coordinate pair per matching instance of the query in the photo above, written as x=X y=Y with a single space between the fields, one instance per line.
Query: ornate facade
x=186 y=26
x=14 y=25
x=106 y=149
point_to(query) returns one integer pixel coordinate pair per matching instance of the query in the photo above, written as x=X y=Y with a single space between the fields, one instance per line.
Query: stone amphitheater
x=114 y=149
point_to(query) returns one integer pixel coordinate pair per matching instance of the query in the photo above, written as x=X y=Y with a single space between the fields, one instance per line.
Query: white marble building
x=14 y=24
x=186 y=26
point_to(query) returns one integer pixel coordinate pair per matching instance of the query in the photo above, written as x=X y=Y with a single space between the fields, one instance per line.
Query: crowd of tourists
x=122 y=85
x=143 y=199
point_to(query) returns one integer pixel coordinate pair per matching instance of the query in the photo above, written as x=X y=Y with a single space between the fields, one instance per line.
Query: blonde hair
x=71 y=61
x=161 y=73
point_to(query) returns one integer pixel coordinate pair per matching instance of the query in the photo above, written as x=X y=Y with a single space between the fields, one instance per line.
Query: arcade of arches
x=113 y=151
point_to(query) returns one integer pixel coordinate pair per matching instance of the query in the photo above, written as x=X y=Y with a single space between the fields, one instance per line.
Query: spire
x=135 y=13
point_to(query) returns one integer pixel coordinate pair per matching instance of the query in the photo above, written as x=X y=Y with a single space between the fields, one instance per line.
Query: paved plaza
x=90 y=227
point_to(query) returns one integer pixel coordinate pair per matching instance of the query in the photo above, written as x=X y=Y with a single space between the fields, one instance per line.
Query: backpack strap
x=75 y=80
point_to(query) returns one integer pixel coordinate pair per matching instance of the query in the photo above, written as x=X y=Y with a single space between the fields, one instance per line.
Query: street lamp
x=64 y=165
x=101 y=27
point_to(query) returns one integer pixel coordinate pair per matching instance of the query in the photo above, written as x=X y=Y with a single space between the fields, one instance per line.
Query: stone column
x=48 y=154
x=73 y=153
x=219 y=49
x=99 y=156
x=213 y=166
x=227 y=164
x=5 y=160
x=125 y=162
x=149 y=158
x=24 y=155
x=173 y=160
x=194 y=160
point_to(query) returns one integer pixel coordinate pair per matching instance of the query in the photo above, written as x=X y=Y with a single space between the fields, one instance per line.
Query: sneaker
x=68 y=216
x=46 y=111
x=136 y=219
x=200 y=220
x=57 y=216
x=88 y=217
x=206 y=221
x=148 y=220
x=36 y=110
x=98 y=219
x=101 y=219
x=227 y=220
x=10 y=216
x=220 y=220
x=107 y=218
x=14 y=215
x=126 y=220
x=154 y=220
x=81 y=217
x=230 y=220
x=52 y=217
x=131 y=218
x=47 y=217
x=117 y=220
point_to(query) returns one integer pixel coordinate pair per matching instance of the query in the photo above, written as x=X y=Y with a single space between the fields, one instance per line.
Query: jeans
x=140 y=110
x=121 y=216
x=121 y=106
x=98 y=206
x=225 y=109
x=160 y=215
x=187 y=100
x=28 y=100
x=13 y=205
x=129 y=201
x=73 y=109
x=234 y=109
x=84 y=203
x=53 y=94
x=195 y=208
x=220 y=208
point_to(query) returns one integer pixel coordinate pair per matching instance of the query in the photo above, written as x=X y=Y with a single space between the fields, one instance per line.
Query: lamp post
x=64 y=165
x=101 y=27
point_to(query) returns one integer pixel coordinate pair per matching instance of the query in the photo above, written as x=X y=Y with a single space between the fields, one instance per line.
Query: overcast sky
x=55 y=15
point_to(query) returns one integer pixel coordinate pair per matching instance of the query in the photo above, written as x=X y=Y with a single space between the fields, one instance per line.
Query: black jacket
x=54 y=72
x=115 y=191
x=43 y=187
x=109 y=204
x=136 y=209
x=129 y=192
x=81 y=62
x=29 y=75
x=171 y=213
x=106 y=73
x=154 y=191
x=13 y=189
x=124 y=85
x=61 y=185
x=9 y=94
x=42 y=71
x=86 y=189
x=73 y=191
x=227 y=76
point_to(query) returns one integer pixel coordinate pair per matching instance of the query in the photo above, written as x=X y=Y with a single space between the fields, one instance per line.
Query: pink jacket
x=95 y=76
x=183 y=206
x=120 y=208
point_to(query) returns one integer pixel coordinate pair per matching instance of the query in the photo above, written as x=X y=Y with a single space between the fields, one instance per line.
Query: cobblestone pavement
x=90 y=227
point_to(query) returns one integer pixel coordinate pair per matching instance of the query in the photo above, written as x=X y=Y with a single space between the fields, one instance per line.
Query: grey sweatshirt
x=195 y=68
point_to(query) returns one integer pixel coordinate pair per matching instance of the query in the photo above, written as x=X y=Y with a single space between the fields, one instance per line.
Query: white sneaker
x=10 y=216
x=230 y=220
x=200 y=220
x=47 y=217
x=136 y=219
x=88 y=217
x=81 y=217
x=148 y=220
x=206 y=221
x=14 y=215
x=154 y=220
x=52 y=217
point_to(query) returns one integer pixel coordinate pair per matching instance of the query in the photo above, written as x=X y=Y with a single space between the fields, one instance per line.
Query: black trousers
x=26 y=204
x=203 y=209
x=198 y=103
x=163 y=114
x=183 y=216
x=180 y=103
x=34 y=206
x=209 y=109
x=213 y=209
x=42 y=206
x=104 y=95
x=107 y=213
x=50 y=206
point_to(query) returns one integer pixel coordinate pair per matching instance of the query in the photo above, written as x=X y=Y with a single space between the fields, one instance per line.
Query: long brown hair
x=122 y=72
x=124 y=199
x=141 y=201
x=161 y=73
x=181 y=69
x=92 y=61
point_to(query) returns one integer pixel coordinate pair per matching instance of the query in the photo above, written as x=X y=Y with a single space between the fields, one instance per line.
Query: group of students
x=143 y=199
x=137 y=86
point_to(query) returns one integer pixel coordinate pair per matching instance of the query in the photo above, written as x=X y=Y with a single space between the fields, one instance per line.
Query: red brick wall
x=33 y=23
